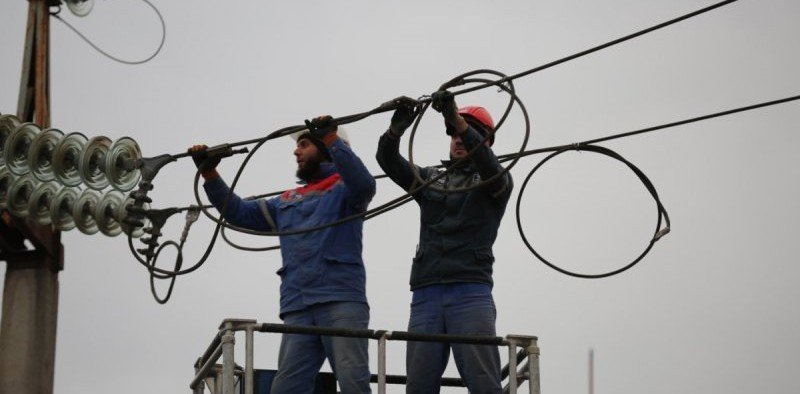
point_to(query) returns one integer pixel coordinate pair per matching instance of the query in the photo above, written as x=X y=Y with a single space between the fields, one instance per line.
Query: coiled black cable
x=404 y=199
x=662 y=212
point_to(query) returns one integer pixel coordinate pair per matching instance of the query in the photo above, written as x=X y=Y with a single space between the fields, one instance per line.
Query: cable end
x=664 y=231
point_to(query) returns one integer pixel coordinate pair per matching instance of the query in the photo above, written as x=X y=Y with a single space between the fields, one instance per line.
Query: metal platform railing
x=520 y=348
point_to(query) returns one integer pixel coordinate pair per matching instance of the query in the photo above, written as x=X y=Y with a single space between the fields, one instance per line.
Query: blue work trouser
x=458 y=308
x=301 y=356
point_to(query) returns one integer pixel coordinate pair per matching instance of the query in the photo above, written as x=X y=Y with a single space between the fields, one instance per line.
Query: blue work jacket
x=323 y=265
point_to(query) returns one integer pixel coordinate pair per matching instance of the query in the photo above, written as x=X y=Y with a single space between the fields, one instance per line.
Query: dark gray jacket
x=457 y=230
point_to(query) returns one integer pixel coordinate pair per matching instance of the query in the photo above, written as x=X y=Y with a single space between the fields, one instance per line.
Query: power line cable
x=422 y=104
x=584 y=145
x=106 y=54
x=455 y=81
x=599 y=47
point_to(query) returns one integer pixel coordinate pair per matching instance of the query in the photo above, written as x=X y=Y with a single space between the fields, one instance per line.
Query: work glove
x=402 y=118
x=444 y=102
x=321 y=127
x=201 y=159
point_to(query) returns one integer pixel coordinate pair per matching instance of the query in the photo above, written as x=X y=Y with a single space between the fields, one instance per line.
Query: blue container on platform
x=262 y=382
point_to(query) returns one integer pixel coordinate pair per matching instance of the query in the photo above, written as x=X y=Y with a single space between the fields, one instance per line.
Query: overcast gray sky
x=711 y=309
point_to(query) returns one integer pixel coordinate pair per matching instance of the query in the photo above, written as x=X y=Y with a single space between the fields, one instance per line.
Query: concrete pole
x=30 y=295
x=28 y=330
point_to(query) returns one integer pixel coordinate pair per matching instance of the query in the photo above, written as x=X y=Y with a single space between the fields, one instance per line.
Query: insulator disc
x=15 y=150
x=8 y=123
x=61 y=207
x=122 y=213
x=104 y=213
x=19 y=194
x=5 y=183
x=39 y=202
x=123 y=149
x=66 y=156
x=80 y=7
x=40 y=154
x=92 y=161
x=83 y=211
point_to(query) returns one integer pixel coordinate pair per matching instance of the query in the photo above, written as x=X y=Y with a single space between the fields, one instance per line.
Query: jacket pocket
x=308 y=206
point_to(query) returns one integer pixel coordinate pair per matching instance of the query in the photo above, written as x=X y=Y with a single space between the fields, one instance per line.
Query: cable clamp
x=395 y=103
x=191 y=216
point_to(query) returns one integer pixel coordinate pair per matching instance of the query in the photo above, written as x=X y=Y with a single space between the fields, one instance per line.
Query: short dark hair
x=323 y=150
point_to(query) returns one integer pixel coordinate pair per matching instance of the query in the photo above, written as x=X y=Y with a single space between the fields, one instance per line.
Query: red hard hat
x=478 y=113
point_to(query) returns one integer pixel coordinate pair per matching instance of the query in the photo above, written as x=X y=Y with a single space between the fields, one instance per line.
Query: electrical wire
x=502 y=158
x=513 y=158
x=106 y=54
x=460 y=80
x=599 y=47
x=662 y=213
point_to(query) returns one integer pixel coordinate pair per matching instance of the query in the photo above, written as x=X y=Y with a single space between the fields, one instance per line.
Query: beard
x=309 y=168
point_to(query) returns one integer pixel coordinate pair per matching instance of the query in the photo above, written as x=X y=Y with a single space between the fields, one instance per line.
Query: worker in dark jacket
x=322 y=277
x=451 y=274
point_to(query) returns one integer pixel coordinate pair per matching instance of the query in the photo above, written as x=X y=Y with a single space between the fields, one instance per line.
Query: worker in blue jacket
x=322 y=277
x=451 y=273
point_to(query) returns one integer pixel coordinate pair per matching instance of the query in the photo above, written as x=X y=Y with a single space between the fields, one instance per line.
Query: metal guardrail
x=222 y=345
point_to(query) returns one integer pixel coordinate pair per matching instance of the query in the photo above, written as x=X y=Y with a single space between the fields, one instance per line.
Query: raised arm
x=388 y=155
x=483 y=157
x=485 y=161
x=255 y=215
x=356 y=177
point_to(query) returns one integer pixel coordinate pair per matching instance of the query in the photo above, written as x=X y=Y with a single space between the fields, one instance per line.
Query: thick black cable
x=407 y=197
x=661 y=211
x=172 y=278
x=384 y=108
x=152 y=267
x=356 y=117
x=219 y=222
x=106 y=54
x=598 y=47
x=246 y=248
x=336 y=222
x=276 y=247
x=514 y=99
x=499 y=82
x=510 y=156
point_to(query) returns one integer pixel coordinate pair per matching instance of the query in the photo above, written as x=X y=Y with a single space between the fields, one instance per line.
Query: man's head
x=480 y=119
x=310 y=152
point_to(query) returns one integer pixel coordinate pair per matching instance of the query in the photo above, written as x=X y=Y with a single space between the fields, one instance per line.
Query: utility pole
x=30 y=295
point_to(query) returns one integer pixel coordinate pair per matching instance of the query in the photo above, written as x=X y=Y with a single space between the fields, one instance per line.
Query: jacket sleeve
x=487 y=163
x=393 y=164
x=255 y=215
x=355 y=175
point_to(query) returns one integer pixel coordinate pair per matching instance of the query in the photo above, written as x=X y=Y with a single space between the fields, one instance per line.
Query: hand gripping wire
x=502 y=83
